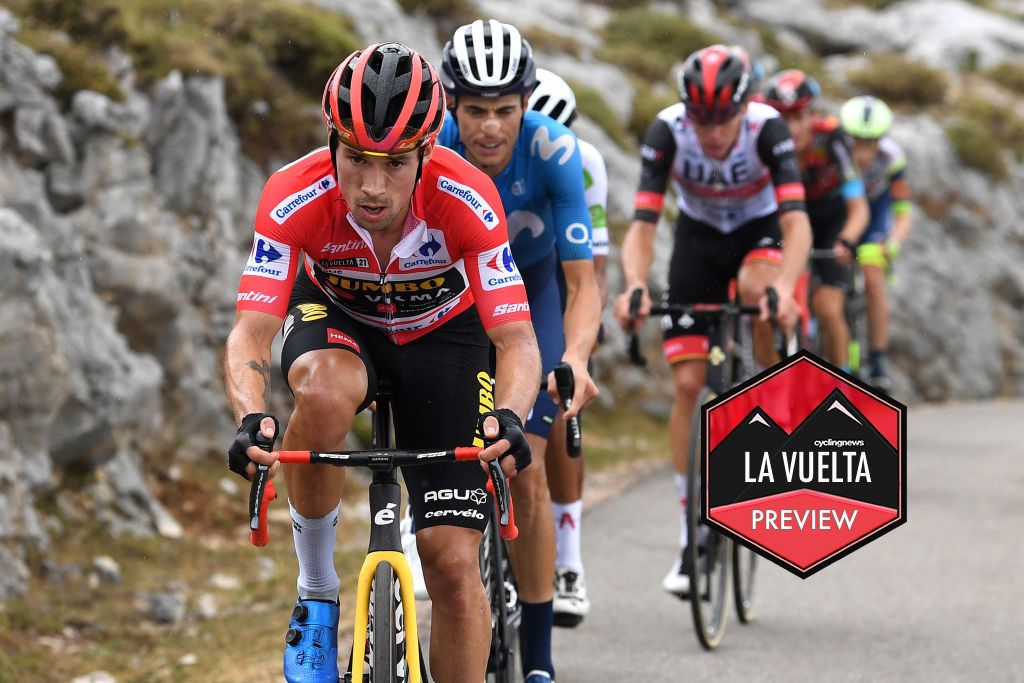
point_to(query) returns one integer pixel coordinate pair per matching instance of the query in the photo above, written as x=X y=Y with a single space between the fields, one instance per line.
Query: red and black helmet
x=385 y=99
x=791 y=91
x=714 y=83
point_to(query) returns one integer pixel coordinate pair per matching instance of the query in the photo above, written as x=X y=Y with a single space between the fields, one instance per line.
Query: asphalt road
x=939 y=598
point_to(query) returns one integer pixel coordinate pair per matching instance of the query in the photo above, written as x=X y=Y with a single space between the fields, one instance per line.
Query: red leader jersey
x=454 y=252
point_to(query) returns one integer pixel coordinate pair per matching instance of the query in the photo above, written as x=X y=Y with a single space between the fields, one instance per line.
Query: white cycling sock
x=568 y=519
x=681 y=485
x=314 y=546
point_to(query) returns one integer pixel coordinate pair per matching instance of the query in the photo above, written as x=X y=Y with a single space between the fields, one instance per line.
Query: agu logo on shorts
x=804 y=464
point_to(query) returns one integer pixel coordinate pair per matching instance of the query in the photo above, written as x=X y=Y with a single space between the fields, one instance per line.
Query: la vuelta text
x=808 y=467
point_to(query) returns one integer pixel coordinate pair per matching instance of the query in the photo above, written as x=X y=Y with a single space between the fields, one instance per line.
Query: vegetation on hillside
x=274 y=55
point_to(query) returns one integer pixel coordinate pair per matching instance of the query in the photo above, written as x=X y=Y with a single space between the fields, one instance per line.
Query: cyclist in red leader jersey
x=737 y=183
x=402 y=270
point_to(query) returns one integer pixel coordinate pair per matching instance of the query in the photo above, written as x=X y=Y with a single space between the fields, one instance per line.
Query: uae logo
x=804 y=464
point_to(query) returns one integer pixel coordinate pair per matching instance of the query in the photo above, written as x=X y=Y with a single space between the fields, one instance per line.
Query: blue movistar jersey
x=541 y=190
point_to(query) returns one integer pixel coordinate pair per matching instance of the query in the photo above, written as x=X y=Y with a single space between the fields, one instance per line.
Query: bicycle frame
x=385 y=544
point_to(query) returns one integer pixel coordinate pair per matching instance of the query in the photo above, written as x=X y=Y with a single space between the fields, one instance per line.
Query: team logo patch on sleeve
x=293 y=202
x=470 y=198
x=498 y=269
x=269 y=258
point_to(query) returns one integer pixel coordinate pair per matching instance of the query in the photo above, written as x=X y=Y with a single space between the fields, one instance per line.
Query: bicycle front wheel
x=506 y=613
x=708 y=555
x=384 y=627
x=744 y=571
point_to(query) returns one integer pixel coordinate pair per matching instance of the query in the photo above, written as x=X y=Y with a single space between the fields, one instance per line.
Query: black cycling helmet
x=384 y=100
x=714 y=83
x=488 y=59
x=791 y=91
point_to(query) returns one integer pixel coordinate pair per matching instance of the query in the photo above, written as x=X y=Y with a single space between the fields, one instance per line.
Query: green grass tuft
x=899 y=80
x=648 y=43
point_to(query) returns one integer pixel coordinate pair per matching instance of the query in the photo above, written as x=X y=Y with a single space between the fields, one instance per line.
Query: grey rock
x=64 y=187
x=107 y=568
x=168 y=607
x=13 y=571
x=95 y=677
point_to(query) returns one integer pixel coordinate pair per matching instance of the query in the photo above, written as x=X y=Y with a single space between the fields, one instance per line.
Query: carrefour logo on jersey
x=433 y=252
x=498 y=269
x=471 y=199
x=269 y=258
x=296 y=201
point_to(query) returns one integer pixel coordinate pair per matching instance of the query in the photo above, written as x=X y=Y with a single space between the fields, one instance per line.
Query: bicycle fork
x=385 y=546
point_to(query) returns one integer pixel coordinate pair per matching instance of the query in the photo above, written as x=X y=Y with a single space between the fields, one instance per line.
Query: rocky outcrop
x=123 y=227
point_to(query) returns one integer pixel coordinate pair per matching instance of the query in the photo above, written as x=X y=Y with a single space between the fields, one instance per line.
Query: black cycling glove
x=509 y=427
x=249 y=435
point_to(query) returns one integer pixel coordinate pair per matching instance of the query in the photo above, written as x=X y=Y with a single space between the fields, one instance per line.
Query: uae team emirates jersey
x=454 y=253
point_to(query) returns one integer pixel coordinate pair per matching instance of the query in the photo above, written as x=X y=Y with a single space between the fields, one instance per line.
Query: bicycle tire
x=709 y=584
x=499 y=584
x=744 y=574
x=384 y=636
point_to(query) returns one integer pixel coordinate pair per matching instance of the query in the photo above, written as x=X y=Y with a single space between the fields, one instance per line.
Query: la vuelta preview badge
x=804 y=463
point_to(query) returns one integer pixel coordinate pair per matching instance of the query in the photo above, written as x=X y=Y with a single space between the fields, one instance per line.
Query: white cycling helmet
x=553 y=97
x=488 y=59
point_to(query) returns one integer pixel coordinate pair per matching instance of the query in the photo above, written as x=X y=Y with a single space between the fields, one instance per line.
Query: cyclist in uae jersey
x=384 y=257
x=553 y=97
x=835 y=201
x=866 y=120
x=739 y=192
x=488 y=72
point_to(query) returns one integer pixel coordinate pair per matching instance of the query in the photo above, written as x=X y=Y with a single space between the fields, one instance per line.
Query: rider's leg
x=827 y=303
x=754 y=276
x=878 y=317
x=565 y=481
x=324 y=410
x=460 y=618
x=533 y=557
x=329 y=382
x=688 y=378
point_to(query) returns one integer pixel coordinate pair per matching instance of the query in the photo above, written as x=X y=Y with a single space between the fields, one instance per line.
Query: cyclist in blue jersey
x=488 y=72
x=553 y=97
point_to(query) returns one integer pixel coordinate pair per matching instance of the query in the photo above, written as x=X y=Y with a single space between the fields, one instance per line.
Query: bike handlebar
x=566 y=384
x=700 y=309
x=262 y=490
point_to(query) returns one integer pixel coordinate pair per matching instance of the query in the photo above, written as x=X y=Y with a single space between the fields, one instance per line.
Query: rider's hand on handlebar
x=584 y=388
x=244 y=454
x=503 y=435
x=789 y=310
x=622 y=312
x=845 y=250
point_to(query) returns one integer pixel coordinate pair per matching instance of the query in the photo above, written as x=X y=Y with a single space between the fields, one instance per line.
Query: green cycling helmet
x=865 y=117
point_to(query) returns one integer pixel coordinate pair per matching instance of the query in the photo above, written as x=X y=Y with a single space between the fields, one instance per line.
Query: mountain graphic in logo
x=430 y=248
x=756 y=434
x=265 y=252
x=503 y=262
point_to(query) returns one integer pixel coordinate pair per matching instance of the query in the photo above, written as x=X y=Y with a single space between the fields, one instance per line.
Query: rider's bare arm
x=858 y=214
x=247 y=362
x=518 y=373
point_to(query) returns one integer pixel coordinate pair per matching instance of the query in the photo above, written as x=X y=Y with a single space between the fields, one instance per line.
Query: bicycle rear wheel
x=744 y=572
x=384 y=631
x=708 y=555
x=506 y=614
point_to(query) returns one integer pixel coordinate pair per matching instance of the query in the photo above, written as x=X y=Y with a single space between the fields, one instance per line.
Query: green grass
x=1009 y=75
x=977 y=147
x=899 y=80
x=649 y=43
x=543 y=40
x=591 y=104
x=276 y=51
x=647 y=102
